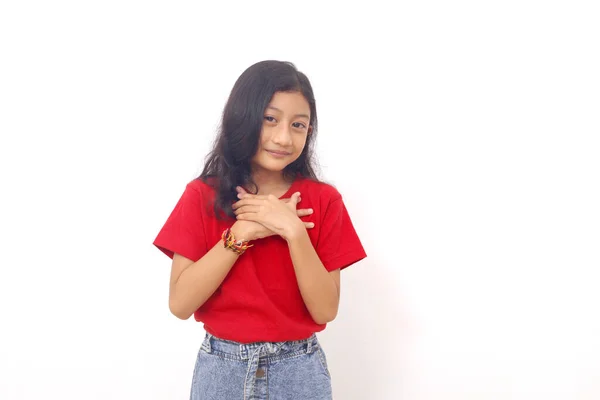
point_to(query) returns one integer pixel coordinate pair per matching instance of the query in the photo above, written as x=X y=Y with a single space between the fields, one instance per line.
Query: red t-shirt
x=259 y=300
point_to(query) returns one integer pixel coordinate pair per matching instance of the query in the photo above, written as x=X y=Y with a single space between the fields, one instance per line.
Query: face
x=284 y=131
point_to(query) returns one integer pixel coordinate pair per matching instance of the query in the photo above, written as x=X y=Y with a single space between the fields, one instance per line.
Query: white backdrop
x=463 y=136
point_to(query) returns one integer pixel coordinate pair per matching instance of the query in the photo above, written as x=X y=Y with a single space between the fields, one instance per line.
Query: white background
x=463 y=135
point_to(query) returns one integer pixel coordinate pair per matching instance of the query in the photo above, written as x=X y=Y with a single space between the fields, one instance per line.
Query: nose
x=282 y=136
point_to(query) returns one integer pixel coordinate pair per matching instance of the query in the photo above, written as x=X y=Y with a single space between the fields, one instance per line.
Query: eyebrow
x=295 y=116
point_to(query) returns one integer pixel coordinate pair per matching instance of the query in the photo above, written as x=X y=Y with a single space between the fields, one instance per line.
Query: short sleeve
x=183 y=232
x=338 y=245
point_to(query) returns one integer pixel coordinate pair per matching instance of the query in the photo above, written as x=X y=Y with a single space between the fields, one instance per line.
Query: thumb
x=240 y=190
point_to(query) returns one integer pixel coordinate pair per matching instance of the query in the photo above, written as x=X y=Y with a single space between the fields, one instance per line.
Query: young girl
x=257 y=244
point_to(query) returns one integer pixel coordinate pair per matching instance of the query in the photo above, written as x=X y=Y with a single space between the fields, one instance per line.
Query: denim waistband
x=270 y=350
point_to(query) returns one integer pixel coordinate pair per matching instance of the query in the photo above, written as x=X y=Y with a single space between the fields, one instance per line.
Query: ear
x=310 y=129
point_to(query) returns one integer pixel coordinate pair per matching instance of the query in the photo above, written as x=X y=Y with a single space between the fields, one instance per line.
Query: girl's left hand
x=276 y=215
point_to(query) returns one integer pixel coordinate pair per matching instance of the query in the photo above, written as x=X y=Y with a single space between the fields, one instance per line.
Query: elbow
x=179 y=311
x=325 y=317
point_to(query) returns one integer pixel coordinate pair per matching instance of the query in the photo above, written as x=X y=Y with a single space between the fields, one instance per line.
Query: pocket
x=200 y=358
x=197 y=367
x=323 y=361
x=205 y=345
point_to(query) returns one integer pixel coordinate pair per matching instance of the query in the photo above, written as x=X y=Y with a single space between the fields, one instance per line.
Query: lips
x=279 y=153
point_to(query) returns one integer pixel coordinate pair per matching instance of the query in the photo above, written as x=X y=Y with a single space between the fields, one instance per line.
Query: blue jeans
x=264 y=370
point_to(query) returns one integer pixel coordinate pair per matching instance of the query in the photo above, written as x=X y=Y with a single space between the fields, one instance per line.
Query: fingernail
x=239 y=195
x=310 y=210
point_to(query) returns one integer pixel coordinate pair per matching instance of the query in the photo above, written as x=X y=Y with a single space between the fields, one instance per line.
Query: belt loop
x=206 y=343
x=243 y=352
x=309 y=345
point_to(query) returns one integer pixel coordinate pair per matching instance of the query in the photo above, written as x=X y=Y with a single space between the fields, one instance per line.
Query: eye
x=299 y=125
x=269 y=118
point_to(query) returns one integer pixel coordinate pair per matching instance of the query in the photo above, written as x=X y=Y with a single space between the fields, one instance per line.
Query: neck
x=270 y=182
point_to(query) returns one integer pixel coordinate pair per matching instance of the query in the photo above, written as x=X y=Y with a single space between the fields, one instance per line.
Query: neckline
x=291 y=189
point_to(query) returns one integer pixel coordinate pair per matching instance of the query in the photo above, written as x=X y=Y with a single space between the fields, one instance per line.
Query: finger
x=247 y=217
x=303 y=212
x=248 y=201
x=254 y=217
x=240 y=190
x=246 y=209
x=295 y=198
x=309 y=225
x=247 y=195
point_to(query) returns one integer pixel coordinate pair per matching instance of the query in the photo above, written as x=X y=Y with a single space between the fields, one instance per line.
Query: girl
x=261 y=273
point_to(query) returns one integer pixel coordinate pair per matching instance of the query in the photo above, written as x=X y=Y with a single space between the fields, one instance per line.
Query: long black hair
x=228 y=164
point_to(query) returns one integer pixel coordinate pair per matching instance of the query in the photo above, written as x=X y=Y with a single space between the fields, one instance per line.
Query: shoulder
x=199 y=191
x=201 y=186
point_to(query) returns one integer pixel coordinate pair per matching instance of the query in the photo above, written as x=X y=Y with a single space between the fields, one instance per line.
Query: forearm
x=317 y=287
x=200 y=280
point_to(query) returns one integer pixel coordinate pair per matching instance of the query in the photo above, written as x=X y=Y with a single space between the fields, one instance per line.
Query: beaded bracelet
x=229 y=242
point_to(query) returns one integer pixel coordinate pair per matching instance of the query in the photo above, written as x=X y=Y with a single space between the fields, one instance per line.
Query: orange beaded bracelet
x=229 y=242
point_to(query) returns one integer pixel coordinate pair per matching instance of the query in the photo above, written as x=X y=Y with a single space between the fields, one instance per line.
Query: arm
x=192 y=283
x=319 y=288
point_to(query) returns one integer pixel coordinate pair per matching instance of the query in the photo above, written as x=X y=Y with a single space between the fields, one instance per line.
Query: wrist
x=230 y=241
x=241 y=231
x=297 y=232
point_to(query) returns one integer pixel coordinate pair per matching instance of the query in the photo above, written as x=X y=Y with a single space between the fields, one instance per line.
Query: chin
x=273 y=168
x=273 y=165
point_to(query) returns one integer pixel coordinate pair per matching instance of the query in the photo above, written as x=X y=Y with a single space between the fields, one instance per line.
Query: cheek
x=264 y=137
x=299 y=143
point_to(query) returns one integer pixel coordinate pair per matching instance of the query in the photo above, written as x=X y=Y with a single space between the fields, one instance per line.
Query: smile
x=278 y=154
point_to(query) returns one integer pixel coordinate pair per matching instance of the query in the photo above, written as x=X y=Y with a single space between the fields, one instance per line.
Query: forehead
x=290 y=103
